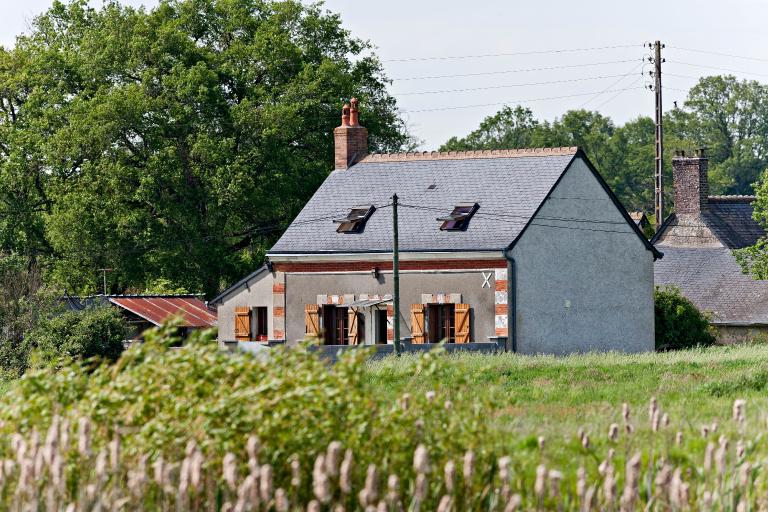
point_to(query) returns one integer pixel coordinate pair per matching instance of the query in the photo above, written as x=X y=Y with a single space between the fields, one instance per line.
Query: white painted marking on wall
x=487 y=279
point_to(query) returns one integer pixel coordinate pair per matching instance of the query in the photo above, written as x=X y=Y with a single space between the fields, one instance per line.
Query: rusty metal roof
x=158 y=308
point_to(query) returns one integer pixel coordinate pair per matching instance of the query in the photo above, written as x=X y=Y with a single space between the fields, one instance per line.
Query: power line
x=704 y=66
x=510 y=54
x=514 y=85
x=509 y=101
x=706 y=52
x=525 y=70
x=619 y=93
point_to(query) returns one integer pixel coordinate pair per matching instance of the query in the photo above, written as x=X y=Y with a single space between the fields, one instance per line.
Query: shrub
x=96 y=332
x=679 y=324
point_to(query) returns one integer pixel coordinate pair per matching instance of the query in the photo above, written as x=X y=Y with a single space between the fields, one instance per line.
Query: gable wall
x=258 y=293
x=582 y=288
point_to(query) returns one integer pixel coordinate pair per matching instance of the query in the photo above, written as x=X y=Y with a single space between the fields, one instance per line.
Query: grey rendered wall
x=257 y=294
x=302 y=289
x=580 y=288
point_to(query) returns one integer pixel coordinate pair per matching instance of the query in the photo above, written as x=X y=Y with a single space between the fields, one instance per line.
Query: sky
x=595 y=47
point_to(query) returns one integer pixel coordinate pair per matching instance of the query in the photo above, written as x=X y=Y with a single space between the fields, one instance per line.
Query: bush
x=679 y=324
x=76 y=335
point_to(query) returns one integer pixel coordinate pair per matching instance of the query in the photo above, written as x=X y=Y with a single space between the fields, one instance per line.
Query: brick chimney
x=690 y=180
x=350 y=138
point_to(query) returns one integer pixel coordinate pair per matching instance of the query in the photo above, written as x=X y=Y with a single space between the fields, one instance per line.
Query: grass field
x=530 y=396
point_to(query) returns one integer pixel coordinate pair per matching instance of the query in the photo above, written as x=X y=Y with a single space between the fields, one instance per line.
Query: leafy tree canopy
x=173 y=143
x=728 y=116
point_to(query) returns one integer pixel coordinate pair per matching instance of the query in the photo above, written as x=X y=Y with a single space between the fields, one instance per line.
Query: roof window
x=458 y=220
x=355 y=221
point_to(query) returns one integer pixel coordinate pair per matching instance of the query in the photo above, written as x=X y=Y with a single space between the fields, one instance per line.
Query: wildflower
x=720 y=459
x=430 y=395
x=679 y=438
x=445 y=504
x=449 y=475
x=631 y=482
x=704 y=431
x=393 y=490
x=665 y=420
x=744 y=472
x=555 y=477
x=585 y=441
x=420 y=491
x=652 y=408
x=372 y=484
x=662 y=480
x=321 y=486
x=448 y=405
x=84 y=437
x=313 y=506
x=708 y=456
x=469 y=465
x=265 y=482
x=655 y=421
x=252 y=446
x=229 y=470
x=196 y=469
x=539 y=486
x=625 y=412
x=581 y=483
x=421 y=459
x=345 y=473
x=295 y=471
x=740 y=449
x=613 y=432
x=281 y=500
x=333 y=459
x=405 y=401
x=713 y=427
x=514 y=502
x=542 y=442
x=609 y=486
x=738 y=410
x=101 y=465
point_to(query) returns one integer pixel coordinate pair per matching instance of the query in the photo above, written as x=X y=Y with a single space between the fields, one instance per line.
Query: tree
x=97 y=331
x=679 y=324
x=174 y=143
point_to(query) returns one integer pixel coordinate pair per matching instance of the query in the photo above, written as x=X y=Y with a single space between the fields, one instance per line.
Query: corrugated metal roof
x=157 y=309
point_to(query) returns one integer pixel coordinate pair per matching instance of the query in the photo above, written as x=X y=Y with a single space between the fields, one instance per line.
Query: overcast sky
x=608 y=79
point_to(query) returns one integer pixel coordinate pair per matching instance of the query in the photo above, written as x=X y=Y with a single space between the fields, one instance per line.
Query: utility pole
x=396 y=276
x=659 y=173
x=104 y=275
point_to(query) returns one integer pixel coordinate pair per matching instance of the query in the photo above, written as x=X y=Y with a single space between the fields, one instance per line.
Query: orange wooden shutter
x=461 y=320
x=354 y=334
x=417 y=323
x=242 y=324
x=312 y=320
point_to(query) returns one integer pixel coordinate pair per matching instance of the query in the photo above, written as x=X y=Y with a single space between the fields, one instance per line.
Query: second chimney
x=350 y=139
x=690 y=180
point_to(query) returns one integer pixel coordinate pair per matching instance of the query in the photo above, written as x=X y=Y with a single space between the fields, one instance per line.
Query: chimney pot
x=350 y=139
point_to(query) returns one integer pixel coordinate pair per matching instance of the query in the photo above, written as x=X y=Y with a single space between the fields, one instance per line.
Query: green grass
x=528 y=396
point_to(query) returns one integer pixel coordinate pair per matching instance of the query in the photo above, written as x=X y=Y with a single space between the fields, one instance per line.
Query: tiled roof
x=510 y=183
x=712 y=279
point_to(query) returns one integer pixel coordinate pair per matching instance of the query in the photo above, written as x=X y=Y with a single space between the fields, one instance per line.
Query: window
x=335 y=325
x=260 y=323
x=458 y=220
x=440 y=323
x=355 y=221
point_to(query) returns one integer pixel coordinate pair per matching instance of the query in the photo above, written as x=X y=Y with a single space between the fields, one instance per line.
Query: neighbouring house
x=526 y=246
x=143 y=312
x=698 y=240
x=642 y=222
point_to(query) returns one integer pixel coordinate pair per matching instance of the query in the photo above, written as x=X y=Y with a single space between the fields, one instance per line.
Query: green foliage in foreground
x=157 y=400
x=679 y=324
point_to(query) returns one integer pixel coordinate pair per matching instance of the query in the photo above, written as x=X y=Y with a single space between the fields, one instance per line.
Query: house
x=143 y=312
x=698 y=240
x=528 y=246
x=641 y=219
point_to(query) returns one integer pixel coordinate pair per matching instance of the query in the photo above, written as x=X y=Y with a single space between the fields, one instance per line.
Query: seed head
x=265 y=482
x=704 y=431
x=252 y=447
x=333 y=459
x=625 y=412
x=740 y=449
x=229 y=470
x=445 y=504
x=84 y=436
x=421 y=459
x=555 y=477
x=744 y=472
x=430 y=395
x=469 y=465
x=679 y=438
x=281 y=500
x=345 y=474
x=514 y=503
x=541 y=478
x=613 y=432
x=372 y=484
x=295 y=471
x=542 y=442
x=710 y=450
x=393 y=490
x=653 y=406
x=450 y=476
x=420 y=491
x=738 y=410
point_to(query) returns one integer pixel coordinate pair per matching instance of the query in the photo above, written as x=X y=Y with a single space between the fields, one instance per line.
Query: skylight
x=354 y=222
x=458 y=220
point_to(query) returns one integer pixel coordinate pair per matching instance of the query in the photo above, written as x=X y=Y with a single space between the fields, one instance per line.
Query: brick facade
x=691 y=184
x=367 y=266
x=350 y=139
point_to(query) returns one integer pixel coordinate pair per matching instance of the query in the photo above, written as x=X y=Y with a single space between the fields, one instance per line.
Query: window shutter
x=242 y=324
x=417 y=323
x=461 y=318
x=312 y=320
x=354 y=334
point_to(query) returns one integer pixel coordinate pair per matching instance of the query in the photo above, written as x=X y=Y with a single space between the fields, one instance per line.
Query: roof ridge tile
x=469 y=154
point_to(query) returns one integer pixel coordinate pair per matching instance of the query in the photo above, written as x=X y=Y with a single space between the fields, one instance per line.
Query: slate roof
x=711 y=279
x=730 y=219
x=508 y=185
